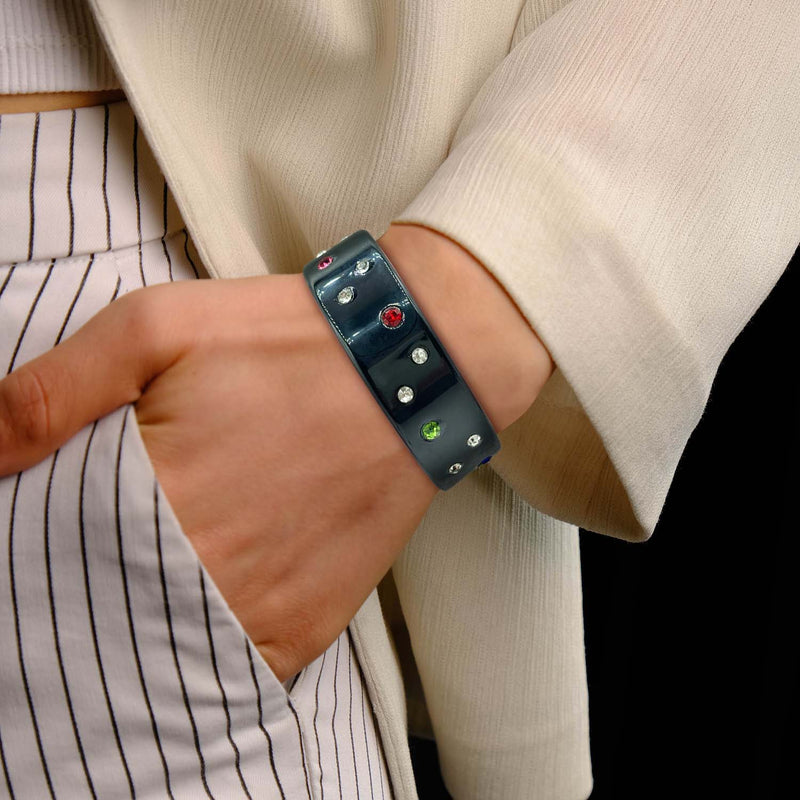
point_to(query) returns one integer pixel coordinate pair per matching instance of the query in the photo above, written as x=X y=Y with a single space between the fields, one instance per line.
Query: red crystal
x=392 y=317
x=325 y=262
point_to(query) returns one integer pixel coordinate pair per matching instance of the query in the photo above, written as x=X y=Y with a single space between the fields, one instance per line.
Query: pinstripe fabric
x=124 y=673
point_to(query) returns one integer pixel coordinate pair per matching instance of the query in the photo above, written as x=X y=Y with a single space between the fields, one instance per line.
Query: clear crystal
x=474 y=440
x=454 y=468
x=419 y=355
x=346 y=295
x=405 y=394
x=362 y=267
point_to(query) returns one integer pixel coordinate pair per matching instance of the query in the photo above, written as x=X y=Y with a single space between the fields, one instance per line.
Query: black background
x=692 y=637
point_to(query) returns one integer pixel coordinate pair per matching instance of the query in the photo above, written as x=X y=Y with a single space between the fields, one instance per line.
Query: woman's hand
x=287 y=477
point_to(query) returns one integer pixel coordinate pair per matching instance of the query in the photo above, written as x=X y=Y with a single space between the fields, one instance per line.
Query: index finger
x=104 y=365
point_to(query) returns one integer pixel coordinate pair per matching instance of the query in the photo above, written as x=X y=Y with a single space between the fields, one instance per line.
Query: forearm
x=501 y=358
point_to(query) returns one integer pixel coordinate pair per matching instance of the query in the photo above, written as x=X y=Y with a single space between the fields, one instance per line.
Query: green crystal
x=431 y=430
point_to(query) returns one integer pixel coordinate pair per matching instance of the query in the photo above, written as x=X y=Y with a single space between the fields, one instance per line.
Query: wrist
x=491 y=343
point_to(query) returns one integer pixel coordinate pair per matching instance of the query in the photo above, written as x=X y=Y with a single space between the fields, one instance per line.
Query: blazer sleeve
x=630 y=173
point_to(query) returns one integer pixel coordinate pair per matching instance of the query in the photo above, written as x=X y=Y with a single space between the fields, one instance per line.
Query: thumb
x=102 y=366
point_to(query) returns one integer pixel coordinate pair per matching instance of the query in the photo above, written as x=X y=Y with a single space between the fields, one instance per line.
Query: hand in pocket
x=289 y=481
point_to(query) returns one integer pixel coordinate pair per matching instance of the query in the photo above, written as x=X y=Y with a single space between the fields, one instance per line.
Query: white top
x=51 y=46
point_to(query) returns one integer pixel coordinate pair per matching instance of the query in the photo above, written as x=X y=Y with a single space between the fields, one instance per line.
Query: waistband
x=79 y=181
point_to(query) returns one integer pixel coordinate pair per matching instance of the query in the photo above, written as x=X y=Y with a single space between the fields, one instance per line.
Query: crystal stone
x=454 y=468
x=405 y=394
x=346 y=295
x=362 y=267
x=419 y=355
x=431 y=430
x=392 y=317
x=325 y=262
x=474 y=440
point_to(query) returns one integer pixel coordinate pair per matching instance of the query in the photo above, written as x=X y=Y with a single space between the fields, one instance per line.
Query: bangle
x=401 y=359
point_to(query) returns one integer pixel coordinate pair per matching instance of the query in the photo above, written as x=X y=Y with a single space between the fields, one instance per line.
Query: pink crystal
x=325 y=262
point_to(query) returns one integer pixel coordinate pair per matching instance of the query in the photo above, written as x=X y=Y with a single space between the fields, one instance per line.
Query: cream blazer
x=629 y=170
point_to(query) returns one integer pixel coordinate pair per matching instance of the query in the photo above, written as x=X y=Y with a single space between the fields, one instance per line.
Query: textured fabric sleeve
x=630 y=174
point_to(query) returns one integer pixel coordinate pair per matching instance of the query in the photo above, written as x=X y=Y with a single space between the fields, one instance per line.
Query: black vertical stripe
x=350 y=713
x=32 y=223
x=8 y=278
x=56 y=638
x=117 y=287
x=316 y=732
x=261 y=719
x=173 y=646
x=10 y=788
x=90 y=609
x=126 y=593
x=152 y=720
x=136 y=195
x=30 y=315
x=69 y=184
x=75 y=299
x=18 y=632
x=302 y=745
x=186 y=251
x=223 y=695
x=164 y=236
x=333 y=717
x=105 y=176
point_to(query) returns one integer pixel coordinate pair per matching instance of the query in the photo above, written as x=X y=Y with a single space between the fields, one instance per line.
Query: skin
x=285 y=474
x=54 y=101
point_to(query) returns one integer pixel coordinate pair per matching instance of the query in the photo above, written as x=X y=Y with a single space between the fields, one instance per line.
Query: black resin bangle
x=401 y=359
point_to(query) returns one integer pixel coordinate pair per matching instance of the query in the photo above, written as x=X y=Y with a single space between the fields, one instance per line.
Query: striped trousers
x=123 y=673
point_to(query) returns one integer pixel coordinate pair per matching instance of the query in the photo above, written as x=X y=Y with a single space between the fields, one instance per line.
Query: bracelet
x=401 y=359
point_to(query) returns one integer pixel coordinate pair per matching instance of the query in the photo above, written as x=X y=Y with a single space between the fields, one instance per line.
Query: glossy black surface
x=382 y=355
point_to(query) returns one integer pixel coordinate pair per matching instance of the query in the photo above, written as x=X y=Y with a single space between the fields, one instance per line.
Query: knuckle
x=143 y=317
